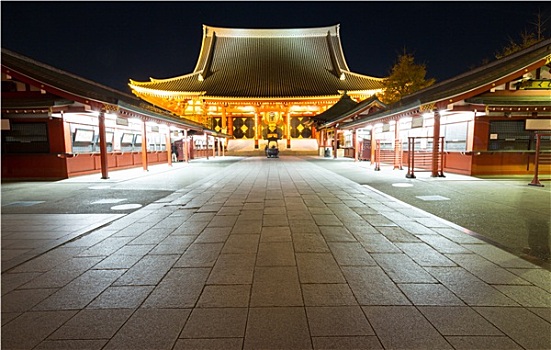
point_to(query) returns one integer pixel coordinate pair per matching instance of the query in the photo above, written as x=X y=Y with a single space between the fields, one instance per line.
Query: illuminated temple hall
x=251 y=87
x=256 y=84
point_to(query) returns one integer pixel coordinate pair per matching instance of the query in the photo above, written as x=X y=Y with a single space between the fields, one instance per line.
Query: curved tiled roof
x=76 y=88
x=344 y=109
x=265 y=63
x=340 y=108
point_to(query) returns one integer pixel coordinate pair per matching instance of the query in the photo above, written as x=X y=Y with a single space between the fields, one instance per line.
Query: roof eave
x=383 y=114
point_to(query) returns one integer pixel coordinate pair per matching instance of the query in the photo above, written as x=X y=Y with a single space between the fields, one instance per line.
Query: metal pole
x=411 y=157
x=435 y=143
x=378 y=155
x=144 y=146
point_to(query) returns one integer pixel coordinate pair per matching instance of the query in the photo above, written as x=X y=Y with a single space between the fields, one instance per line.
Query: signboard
x=417 y=122
x=121 y=121
x=5 y=124
x=538 y=124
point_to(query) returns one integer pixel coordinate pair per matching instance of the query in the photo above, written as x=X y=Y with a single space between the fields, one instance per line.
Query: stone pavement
x=276 y=254
x=25 y=237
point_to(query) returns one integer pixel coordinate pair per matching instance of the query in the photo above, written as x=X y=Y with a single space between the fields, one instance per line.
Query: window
x=9 y=86
x=509 y=135
x=26 y=138
x=127 y=142
x=83 y=140
x=84 y=135
x=455 y=137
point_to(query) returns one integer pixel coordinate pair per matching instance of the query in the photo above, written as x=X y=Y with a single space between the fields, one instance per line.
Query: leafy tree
x=405 y=78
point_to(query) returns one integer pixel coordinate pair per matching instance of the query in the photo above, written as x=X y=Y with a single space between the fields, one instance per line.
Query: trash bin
x=327 y=153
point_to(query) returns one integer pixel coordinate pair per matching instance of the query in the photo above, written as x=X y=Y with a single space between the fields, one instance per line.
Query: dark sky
x=112 y=42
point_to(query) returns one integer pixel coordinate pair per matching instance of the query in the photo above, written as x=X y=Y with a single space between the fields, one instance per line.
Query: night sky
x=112 y=42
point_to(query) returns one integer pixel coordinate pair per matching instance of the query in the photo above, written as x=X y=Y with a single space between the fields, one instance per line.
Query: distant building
x=256 y=83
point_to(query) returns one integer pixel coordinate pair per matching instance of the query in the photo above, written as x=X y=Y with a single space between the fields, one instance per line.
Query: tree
x=405 y=78
x=527 y=38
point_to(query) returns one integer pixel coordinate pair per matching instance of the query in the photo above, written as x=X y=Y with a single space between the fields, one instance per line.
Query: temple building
x=255 y=84
x=56 y=125
x=492 y=120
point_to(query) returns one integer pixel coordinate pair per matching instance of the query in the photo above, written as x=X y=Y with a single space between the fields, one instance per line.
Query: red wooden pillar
x=207 y=145
x=397 y=146
x=220 y=147
x=214 y=143
x=435 y=143
x=103 y=145
x=191 y=148
x=322 y=141
x=186 y=147
x=335 y=142
x=230 y=126
x=288 y=118
x=355 y=144
x=373 y=141
x=256 y=129
x=144 y=146
x=168 y=149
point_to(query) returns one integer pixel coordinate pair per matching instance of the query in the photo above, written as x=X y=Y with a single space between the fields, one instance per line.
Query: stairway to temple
x=298 y=147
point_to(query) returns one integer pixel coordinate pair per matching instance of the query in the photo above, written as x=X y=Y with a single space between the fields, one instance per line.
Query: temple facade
x=255 y=84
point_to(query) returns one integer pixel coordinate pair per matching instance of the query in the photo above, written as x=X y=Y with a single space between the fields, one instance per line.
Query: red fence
x=425 y=158
x=388 y=156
